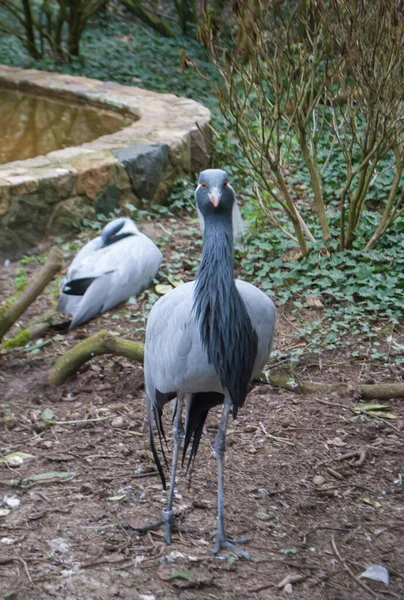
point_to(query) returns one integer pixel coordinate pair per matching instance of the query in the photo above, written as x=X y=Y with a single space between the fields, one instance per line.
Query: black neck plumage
x=225 y=326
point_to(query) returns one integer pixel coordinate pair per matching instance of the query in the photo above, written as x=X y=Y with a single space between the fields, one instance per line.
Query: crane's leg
x=178 y=435
x=222 y=541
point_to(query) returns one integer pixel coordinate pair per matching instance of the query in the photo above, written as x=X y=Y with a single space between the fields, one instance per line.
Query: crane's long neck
x=225 y=327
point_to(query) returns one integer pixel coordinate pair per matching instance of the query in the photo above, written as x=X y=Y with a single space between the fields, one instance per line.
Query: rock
x=145 y=166
x=68 y=215
x=265 y=516
x=117 y=422
x=318 y=480
x=199 y=149
x=92 y=181
x=4 y=198
x=108 y=201
x=18 y=228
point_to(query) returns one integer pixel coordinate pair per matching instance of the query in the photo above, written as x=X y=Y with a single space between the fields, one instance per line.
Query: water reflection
x=32 y=125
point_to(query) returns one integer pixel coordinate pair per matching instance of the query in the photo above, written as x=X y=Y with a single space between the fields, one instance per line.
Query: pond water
x=33 y=125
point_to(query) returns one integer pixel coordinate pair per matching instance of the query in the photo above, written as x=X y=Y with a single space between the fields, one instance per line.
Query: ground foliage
x=361 y=291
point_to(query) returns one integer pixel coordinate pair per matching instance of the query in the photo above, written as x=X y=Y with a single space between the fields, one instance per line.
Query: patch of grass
x=21 y=279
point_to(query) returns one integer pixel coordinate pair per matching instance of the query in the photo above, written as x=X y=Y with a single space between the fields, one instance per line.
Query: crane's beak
x=214 y=197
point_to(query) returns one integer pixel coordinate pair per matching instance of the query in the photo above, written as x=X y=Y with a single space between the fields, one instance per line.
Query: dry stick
x=105 y=343
x=348 y=570
x=9 y=315
x=21 y=560
x=360 y=454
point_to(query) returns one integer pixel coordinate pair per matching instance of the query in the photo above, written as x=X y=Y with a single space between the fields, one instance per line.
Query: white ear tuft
x=201 y=220
x=237 y=221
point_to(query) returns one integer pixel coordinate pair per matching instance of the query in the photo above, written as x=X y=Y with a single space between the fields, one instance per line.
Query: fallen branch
x=25 y=336
x=13 y=309
x=40 y=326
x=105 y=343
x=374 y=391
x=100 y=343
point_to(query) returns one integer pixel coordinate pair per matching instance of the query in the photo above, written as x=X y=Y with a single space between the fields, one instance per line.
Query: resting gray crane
x=205 y=341
x=108 y=270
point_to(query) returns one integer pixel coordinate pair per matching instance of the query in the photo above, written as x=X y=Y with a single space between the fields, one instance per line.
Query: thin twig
x=21 y=560
x=350 y=572
x=274 y=437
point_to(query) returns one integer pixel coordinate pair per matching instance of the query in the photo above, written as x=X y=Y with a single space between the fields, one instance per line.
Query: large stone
x=25 y=223
x=4 y=198
x=200 y=140
x=145 y=166
x=69 y=215
x=92 y=182
x=108 y=201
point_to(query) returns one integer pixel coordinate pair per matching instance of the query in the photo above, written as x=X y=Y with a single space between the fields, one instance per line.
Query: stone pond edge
x=50 y=195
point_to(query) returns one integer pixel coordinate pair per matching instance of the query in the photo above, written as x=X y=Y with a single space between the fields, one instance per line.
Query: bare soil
x=312 y=513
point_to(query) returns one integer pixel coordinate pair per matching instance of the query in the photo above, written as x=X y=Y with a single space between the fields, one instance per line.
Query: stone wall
x=50 y=195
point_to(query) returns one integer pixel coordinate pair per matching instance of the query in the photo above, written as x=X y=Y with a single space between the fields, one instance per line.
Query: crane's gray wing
x=93 y=301
x=263 y=318
x=78 y=265
x=68 y=303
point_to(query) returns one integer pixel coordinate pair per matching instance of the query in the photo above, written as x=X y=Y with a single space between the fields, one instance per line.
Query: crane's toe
x=223 y=543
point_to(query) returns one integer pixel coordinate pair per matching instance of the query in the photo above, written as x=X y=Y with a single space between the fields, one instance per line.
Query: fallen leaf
x=377 y=573
x=47 y=415
x=370 y=407
x=336 y=442
x=174 y=282
x=12 y=501
x=265 y=516
x=162 y=289
x=35 y=349
x=60 y=476
x=290 y=551
x=182 y=575
x=16 y=459
x=314 y=302
x=371 y=502
x=116 y=498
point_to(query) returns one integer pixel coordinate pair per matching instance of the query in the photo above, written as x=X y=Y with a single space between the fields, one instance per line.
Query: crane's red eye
x=225 y=184
x=203 y=184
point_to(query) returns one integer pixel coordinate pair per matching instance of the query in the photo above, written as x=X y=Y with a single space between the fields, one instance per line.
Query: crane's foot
x=223 y=543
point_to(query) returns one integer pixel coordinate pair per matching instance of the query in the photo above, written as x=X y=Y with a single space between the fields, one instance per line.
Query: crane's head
x=215 y=196
x=118 y=229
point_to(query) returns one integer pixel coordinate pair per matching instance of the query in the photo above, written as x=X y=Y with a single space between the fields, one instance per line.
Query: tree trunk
x=29 y=29
x=135 y=6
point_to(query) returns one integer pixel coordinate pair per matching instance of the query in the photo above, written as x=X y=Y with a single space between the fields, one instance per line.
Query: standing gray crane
x=205 y=341
x=108 y=270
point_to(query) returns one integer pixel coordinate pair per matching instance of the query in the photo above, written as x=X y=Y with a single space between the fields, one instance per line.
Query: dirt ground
x=318 y=489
